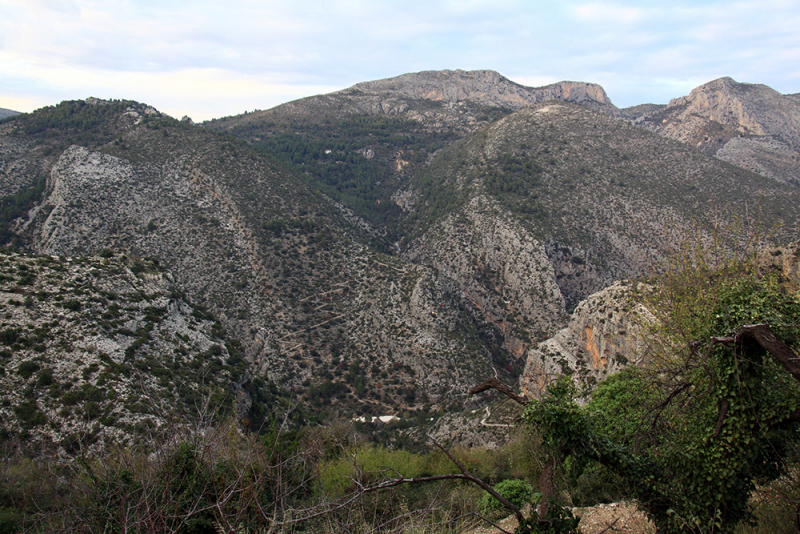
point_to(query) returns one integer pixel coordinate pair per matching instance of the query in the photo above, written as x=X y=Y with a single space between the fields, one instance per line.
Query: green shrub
x=72 y=304
x=45 y=377
x=9 y=520
x=9 y=336
x=517 y=491
x=29 y=415
x=27 y=368
x=374 y=463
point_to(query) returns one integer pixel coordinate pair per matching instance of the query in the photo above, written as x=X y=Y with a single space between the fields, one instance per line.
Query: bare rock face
x=447 y=100
x=484 y=87
x=748 y=125
x=590 y=95
x=606 y=332
x=499 y=268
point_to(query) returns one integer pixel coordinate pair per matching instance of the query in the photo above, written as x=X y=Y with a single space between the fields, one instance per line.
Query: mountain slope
x=375 y=261
x=524 y=216
x=559 y=201
x=457 y=100
x=97 y=350
x=749 y=125
x=286 y=271
x=361 y=142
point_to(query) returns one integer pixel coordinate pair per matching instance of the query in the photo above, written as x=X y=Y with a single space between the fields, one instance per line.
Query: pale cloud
x=201 y=93
x=200 y=56
x=22 y=104
x=605 y=13
x=535 y=81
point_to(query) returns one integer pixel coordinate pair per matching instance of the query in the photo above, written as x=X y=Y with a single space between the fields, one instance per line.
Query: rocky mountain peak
x=750 y=125
x=577 y=92
x=730 y=103
x=485 y=87
x=482 y=86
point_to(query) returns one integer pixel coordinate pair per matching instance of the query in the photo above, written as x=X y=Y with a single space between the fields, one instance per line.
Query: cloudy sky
x=209 y=58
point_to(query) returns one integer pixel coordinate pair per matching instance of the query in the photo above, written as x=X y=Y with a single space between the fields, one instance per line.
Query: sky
x=209 y=58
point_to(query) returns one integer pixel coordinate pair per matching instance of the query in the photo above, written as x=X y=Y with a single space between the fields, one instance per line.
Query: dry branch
x=494 y=383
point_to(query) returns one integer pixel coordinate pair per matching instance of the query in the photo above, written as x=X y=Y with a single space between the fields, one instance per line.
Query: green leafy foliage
x=27 y=368
x=559 y=520
x=619 y=404
x=518 y=492
x=692 y=433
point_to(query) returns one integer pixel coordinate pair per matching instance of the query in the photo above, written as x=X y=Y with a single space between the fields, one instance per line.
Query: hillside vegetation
x=202 y=324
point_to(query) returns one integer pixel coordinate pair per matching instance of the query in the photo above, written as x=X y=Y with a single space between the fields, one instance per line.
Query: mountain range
x=382 y=248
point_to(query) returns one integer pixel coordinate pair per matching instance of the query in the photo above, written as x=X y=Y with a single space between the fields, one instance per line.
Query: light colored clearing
x=553 y=108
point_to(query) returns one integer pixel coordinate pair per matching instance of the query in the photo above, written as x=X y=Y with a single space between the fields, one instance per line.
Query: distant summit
x=446 y=100
x=7 y=113
x=749 y=125
x=485 y=87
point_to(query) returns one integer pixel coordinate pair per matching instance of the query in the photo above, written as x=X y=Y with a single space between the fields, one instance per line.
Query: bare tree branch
x=723 y=410
x=764 y=336
x=505 y=502
x=493 y=383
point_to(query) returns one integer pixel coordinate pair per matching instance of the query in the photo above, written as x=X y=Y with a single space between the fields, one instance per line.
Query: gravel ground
x=615 y=517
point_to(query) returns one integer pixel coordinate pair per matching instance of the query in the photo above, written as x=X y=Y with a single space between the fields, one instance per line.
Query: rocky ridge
x=484 y=87
x=456 y=100
x=749 y=125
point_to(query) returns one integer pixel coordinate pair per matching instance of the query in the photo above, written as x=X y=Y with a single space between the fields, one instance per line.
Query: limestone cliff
x=501 y=272
x=455 y=100
x=606 y=332
x=484 y=87
x=749 y=125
